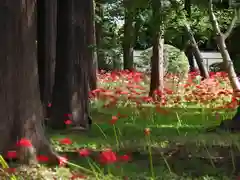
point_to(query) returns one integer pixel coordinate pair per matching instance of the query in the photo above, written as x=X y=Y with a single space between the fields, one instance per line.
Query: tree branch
x=231 y=26
x=213 y=18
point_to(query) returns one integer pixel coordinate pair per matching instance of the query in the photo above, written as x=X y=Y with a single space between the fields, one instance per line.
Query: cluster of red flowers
x=133 y=87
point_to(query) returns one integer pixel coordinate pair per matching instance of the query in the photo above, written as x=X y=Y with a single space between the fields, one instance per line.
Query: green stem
x=150 y=157
x=115 y=133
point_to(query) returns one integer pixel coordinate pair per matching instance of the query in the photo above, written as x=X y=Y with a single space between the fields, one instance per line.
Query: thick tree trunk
x=70 y=92
x=157 y=60
x=20 y=112
x=196 y=52
x=91 y=42
x=128 y=39
x=46 y=43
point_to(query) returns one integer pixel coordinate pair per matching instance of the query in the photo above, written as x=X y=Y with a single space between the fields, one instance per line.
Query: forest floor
x=180 y=147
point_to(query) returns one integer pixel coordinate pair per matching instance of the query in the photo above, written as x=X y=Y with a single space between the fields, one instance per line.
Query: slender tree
x=129 y=38
x=196 y=52
x=157 y=60
x=99 y=34
x=21 y=111
x=70 y=91
x=234 y=123
x=91 y=43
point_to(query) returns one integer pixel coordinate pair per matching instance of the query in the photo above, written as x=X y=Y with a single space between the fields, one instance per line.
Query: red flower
x=42 y=158
x=107 y=157
x=11 y=154
x=68 y=115
x=66 y=141
x=24 y=143
x=124 y=158
x=114 y=119
x=84 y=152
x=10 y=170
x=78 y=177
x=62 y=160
x=68 y=122
x=49 y=105
x=147 y=131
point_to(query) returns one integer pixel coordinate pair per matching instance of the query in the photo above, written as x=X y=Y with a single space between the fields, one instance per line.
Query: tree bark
x=46 y=44
x=189 y=54
x=128 y=39
x=157 y=60
x=196 y=52
x=91 y=42
x=70 y=92
x=20 y=112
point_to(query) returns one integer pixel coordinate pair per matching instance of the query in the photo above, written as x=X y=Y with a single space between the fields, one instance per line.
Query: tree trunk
x=189 y=49
x=46 y=44
x=234 y=124
x=196 y=52
x=91 y=42
x=70 y=92
x=128 y=39
x=20 y=112
x=157 y=60
x=189 y=54
x=99 y=36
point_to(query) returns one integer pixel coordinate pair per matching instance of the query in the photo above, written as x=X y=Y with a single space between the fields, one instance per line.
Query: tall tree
x=157 y=60
x=233 y=124
x=129 y=38
x=70 y=91
x=20 y=112
x=196 y=52
x=99 y=33
x=91 y=42
x=192 y=47
x=189 y=49
x=46 y=45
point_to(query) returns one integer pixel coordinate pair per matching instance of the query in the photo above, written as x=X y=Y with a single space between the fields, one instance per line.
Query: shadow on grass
x=179 y=144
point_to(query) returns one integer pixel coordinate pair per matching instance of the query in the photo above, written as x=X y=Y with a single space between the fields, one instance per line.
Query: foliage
x=175 y=61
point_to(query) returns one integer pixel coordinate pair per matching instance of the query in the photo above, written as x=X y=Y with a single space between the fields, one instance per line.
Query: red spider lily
x=62 y=160
x=147 y=131
x=24 y=142
x=84 y=152
x=11 y=154
x=65 y=141
x=68 y=122
x=78 y=177
x=42 y=158
x=114 y=120
x=124 y=158
x=107 y=157
x=68 y=115
x=10 y=170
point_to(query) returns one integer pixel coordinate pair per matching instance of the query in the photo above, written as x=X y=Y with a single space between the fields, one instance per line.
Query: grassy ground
x=180 y=147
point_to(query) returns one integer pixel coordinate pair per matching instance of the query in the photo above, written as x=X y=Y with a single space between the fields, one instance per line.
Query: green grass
x=180 y=146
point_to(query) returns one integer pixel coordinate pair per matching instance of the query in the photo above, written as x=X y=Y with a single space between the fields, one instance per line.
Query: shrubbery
x=175 y=61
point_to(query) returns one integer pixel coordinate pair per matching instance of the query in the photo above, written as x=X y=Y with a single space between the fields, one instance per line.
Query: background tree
x=21 y=112
x=70 y=92
x=157 y=70
x=228 y=64
x=91 y=42
x=129 y=37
